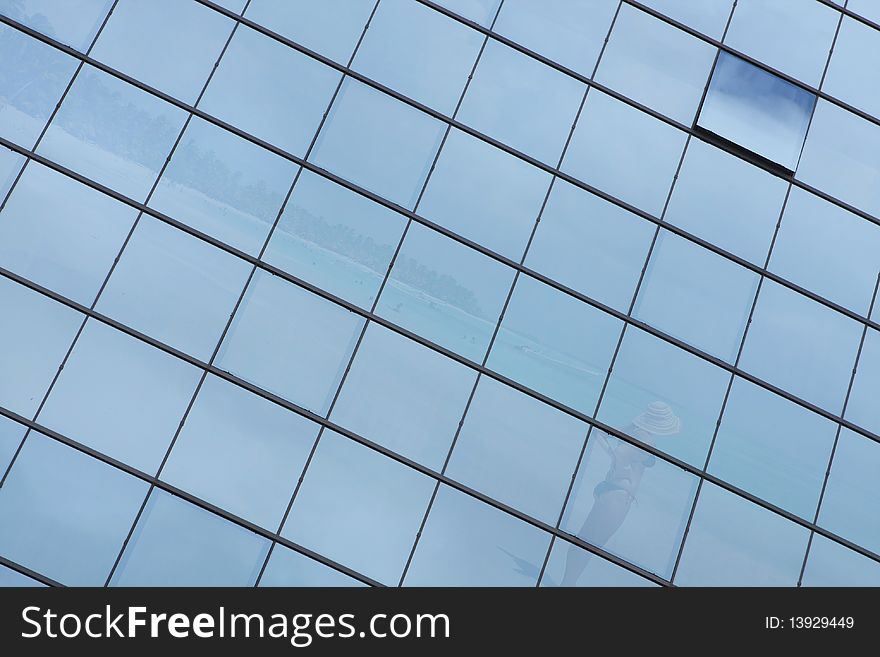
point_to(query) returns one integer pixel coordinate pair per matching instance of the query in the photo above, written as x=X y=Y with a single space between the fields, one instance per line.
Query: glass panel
x=555 y=344
x=590 y=245
x=270 y=90
x=240 y=452
x=35 y=334
x=120 y=396
x=521 y=102
x=733 y=542
x=656 y=64
x=867 y=8
x=862 y=407
x=287 y=567
x=842 y=157
x=336 y=239
x=11 y=434
x=479 y=11
x=61 y=234
x=232 y=5
x=168 y=44
x=663 y=395
x=174 y=287
x=484 y=194
x=404 y=396
x=781 y=346
x=852 y=495
x=569 y=32
x=468 y=543
x=854 y=71
x=792 y=36
x=621 y=495
x=12 y=578
x=378 y=142
x=290 y=342
x=509 y=438
x=359 y=508
x=696 y=296
x=446 y=51
x=224 y=186
x=10 y=165
x=446 y=292
x=828 y=250
x=32 y=78
x=831 y=564
x=65 y=514
x=73 y=22
x=113 y=133
x=178 y=544
x=330 y=27
x=773 y=448
x=727 y=201
x=607 y=150
x=597 y=572
x=707 y=16
x=757 y=110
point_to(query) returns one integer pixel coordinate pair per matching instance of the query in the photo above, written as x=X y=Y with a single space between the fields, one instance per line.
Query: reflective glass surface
x=287 y=567
x=73 y=22
x=862 y=407
x=479 y=11
x=10 y=578
x=597 y=572
x=866 y=8
x=707 y=16
x=831 y=564
x=10 y=165
x=854 y=70
x=11 y=434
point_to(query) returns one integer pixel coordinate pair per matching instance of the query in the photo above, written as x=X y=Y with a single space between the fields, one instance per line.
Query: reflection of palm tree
x=523 y=567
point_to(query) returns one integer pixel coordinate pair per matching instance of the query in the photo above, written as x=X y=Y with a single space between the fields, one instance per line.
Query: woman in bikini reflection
x=614 y=495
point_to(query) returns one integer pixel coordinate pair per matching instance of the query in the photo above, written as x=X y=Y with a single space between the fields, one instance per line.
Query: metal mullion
x=27 y=572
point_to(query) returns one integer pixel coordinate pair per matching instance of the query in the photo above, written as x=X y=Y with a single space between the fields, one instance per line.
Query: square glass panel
x=288 y=567
x=484 y=194
x=120 y=396
x=65 y=514
x=359 y=508
x=555 y=344
x=706 y=16
x=176 y=543
x=404 y=396
x=336 y=239
x=479 y=11
x=466 y=542
x=72 y=22
x=831 y=564
x=757 y=110
x=290 y=342
x=240 y=452
x=597 y=572
x=854 y=70
x=521 y=102
x=862 y=407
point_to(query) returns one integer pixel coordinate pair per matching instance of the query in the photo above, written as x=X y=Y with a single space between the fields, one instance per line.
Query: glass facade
x=410 y=293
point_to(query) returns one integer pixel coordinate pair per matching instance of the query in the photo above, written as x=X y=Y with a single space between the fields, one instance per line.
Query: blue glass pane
x=727 y=201
x=854 y=71
x=555 y=344
x=468 y=543
x=171 y=45
x=757 y=110
x=10 y=165
x=61 y=234
x=113 y=133
x=656 y=64
x=174 y=287
x=290 y=342
x=521 y=102
x=270 y=90
x=232 y=5
x=707 y=16
x=32 y=78
x=224 y=186
x=446 y=292
x=11 y=434
x=484 y=194
x=801 y=346
x=675 y=395
x=73 y=22
x=13 y=578
x=732 y=542
x=697 y=296
x=866 y=8
x=287 y=567
x=178 y=544
x=597 y=572
x=120 y=396
x=828 y=250
x=336 y=239
x=240 y=452
x=773 y=448
x=509 y=438
x=404 y=396
x=569 y=32
x=862 y=407
x=446 y=51
x=359 y=508
x=330 y=27
x=623 y=494
x=35 y=334
x=607 y=150
x=65 y=514
x=831 y=564
x=479 y=11
x=590 y=245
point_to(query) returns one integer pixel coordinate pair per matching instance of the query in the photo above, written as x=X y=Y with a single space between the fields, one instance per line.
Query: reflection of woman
x=613 y=496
